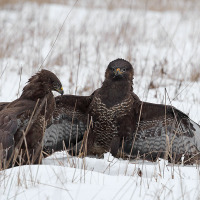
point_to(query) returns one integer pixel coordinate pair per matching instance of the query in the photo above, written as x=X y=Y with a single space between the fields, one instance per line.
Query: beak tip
x=62 y=92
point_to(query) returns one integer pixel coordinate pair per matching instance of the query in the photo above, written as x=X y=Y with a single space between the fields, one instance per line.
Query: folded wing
x=8 y=127
x=10 y=123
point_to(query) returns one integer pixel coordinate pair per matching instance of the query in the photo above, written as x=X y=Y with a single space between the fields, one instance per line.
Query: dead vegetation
x=195 y=74
x=156 y=5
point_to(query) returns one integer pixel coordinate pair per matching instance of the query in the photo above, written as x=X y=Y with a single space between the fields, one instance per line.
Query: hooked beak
x=117 y=72
x=60 y=90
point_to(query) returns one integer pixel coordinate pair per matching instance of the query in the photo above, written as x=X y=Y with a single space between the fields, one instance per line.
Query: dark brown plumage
x=165 y=132
x=112 y=110
x=3 y=105
x=69 y=122
x=28 y=116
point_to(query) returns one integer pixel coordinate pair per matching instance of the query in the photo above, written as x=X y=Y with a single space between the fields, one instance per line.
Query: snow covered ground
x=164 y=48
x=63 y=177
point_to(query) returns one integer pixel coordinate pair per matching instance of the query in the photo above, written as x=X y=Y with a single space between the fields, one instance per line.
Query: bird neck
x=113 y=92
x=118 y=85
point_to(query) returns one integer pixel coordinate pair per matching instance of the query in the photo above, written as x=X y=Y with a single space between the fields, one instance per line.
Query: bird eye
x=124 y=69
x=113 y=69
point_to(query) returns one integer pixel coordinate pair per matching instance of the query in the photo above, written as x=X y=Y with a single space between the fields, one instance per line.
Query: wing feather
x=8 y=127
x=69 y=122
x=3 y=105
x=10 y=123
x=164 y=130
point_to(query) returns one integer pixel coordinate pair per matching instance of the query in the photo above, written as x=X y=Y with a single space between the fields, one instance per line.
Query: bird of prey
x=108 y=115
x=114 y=119
x=23 y=121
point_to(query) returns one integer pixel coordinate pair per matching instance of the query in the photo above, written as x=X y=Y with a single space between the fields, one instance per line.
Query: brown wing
x=69 y=122
x=164 y=131
x=13 y=120
x=8 y=127
x=10 y=122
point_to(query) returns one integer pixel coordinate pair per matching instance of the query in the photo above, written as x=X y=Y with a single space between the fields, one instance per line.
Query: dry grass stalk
x=195 y=74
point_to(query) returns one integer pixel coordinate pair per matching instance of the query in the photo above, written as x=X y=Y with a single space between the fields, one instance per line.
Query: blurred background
x=77 y=40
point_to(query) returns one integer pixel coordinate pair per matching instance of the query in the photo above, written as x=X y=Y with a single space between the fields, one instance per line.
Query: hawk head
x=41 y=84
x=119 y=69
x=50 y=81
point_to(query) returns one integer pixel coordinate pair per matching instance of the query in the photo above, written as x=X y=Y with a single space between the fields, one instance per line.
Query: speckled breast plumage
x=105 y=126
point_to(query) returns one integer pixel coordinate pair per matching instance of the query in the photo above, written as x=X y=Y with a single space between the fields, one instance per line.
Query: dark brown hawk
x=114 y=119
x=113 y=110
x=23 y=121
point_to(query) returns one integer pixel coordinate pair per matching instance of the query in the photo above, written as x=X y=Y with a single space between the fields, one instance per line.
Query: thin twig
x=57 y=36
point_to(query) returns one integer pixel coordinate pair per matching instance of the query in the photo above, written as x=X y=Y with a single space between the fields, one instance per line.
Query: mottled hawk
x=23 y=121
x=114 y=119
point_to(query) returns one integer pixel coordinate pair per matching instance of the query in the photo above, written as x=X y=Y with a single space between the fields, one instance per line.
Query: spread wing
x=164 y=131
x=69 y=122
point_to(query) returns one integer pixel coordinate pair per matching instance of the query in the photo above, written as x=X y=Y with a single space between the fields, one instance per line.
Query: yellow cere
x=118 y=69
x=61 y=88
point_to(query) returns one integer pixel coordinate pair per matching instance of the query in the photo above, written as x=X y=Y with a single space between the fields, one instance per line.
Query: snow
x=163 y=47
x=91 y=178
